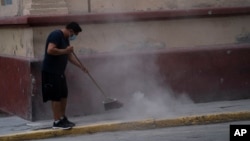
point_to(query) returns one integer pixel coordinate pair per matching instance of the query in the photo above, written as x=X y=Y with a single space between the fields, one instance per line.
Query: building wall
x=17 y=41
x=77 y=6
x=15 y=84
x=25 y=7
x=128 y=35
x=113 y=37
x=99 y=6
x=10 y=10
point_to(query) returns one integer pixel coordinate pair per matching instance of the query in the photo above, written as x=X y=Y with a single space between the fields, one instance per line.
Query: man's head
x=73 y=28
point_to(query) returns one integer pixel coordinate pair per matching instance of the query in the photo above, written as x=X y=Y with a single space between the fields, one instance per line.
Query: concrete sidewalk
x=14 y=128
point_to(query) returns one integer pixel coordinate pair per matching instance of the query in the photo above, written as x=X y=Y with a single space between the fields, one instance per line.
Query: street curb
x=131 y=125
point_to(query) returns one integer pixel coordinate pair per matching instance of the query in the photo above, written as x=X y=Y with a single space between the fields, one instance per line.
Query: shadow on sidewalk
x=3 y=114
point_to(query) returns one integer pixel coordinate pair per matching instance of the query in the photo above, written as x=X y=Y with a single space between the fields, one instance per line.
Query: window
x=6 y=2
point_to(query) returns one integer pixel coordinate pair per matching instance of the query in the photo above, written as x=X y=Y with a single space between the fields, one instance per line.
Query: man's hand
x=69 y=49
x=84 y=69
x=74 y=60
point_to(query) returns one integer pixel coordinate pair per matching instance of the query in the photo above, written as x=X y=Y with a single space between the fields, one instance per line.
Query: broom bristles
x=112 y=105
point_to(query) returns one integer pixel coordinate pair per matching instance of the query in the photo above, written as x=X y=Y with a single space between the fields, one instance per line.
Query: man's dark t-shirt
x=55 y=64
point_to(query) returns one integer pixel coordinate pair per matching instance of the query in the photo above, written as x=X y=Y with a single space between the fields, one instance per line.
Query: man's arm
x=53 y=50
x=75 y=61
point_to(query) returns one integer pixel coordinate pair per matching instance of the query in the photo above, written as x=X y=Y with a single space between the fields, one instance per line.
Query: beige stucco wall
x=158 y=34
x=112 y=37
x=99 y=6
x=10 y=10
x=25 y=7
x=16 y=42
x=77 y=6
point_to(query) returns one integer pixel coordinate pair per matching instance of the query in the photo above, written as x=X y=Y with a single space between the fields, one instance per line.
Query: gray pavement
x=14 y=125
x=210 y=132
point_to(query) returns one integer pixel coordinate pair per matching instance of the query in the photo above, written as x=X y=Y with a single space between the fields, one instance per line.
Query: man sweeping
x=54 y=86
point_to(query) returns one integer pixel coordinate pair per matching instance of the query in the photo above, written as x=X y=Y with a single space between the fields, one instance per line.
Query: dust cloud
x=136 y=81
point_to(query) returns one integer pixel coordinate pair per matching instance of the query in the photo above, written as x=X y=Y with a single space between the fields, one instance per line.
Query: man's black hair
x=74 y=26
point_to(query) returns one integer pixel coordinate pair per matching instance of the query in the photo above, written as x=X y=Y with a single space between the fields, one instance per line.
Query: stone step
x=47 y=1
x=48 y=5
x=49 y=11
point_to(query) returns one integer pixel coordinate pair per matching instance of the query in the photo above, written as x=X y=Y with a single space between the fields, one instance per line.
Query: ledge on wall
x=124 y=17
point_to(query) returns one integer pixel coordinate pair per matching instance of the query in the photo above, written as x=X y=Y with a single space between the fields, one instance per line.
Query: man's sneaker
x=65 y=120
x=61 y=125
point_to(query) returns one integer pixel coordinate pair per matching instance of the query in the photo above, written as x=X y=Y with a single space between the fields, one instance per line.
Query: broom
x=109 y=103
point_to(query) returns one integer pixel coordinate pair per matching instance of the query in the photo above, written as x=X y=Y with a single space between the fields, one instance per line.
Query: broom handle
x=90 y=76
x=96 y=84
